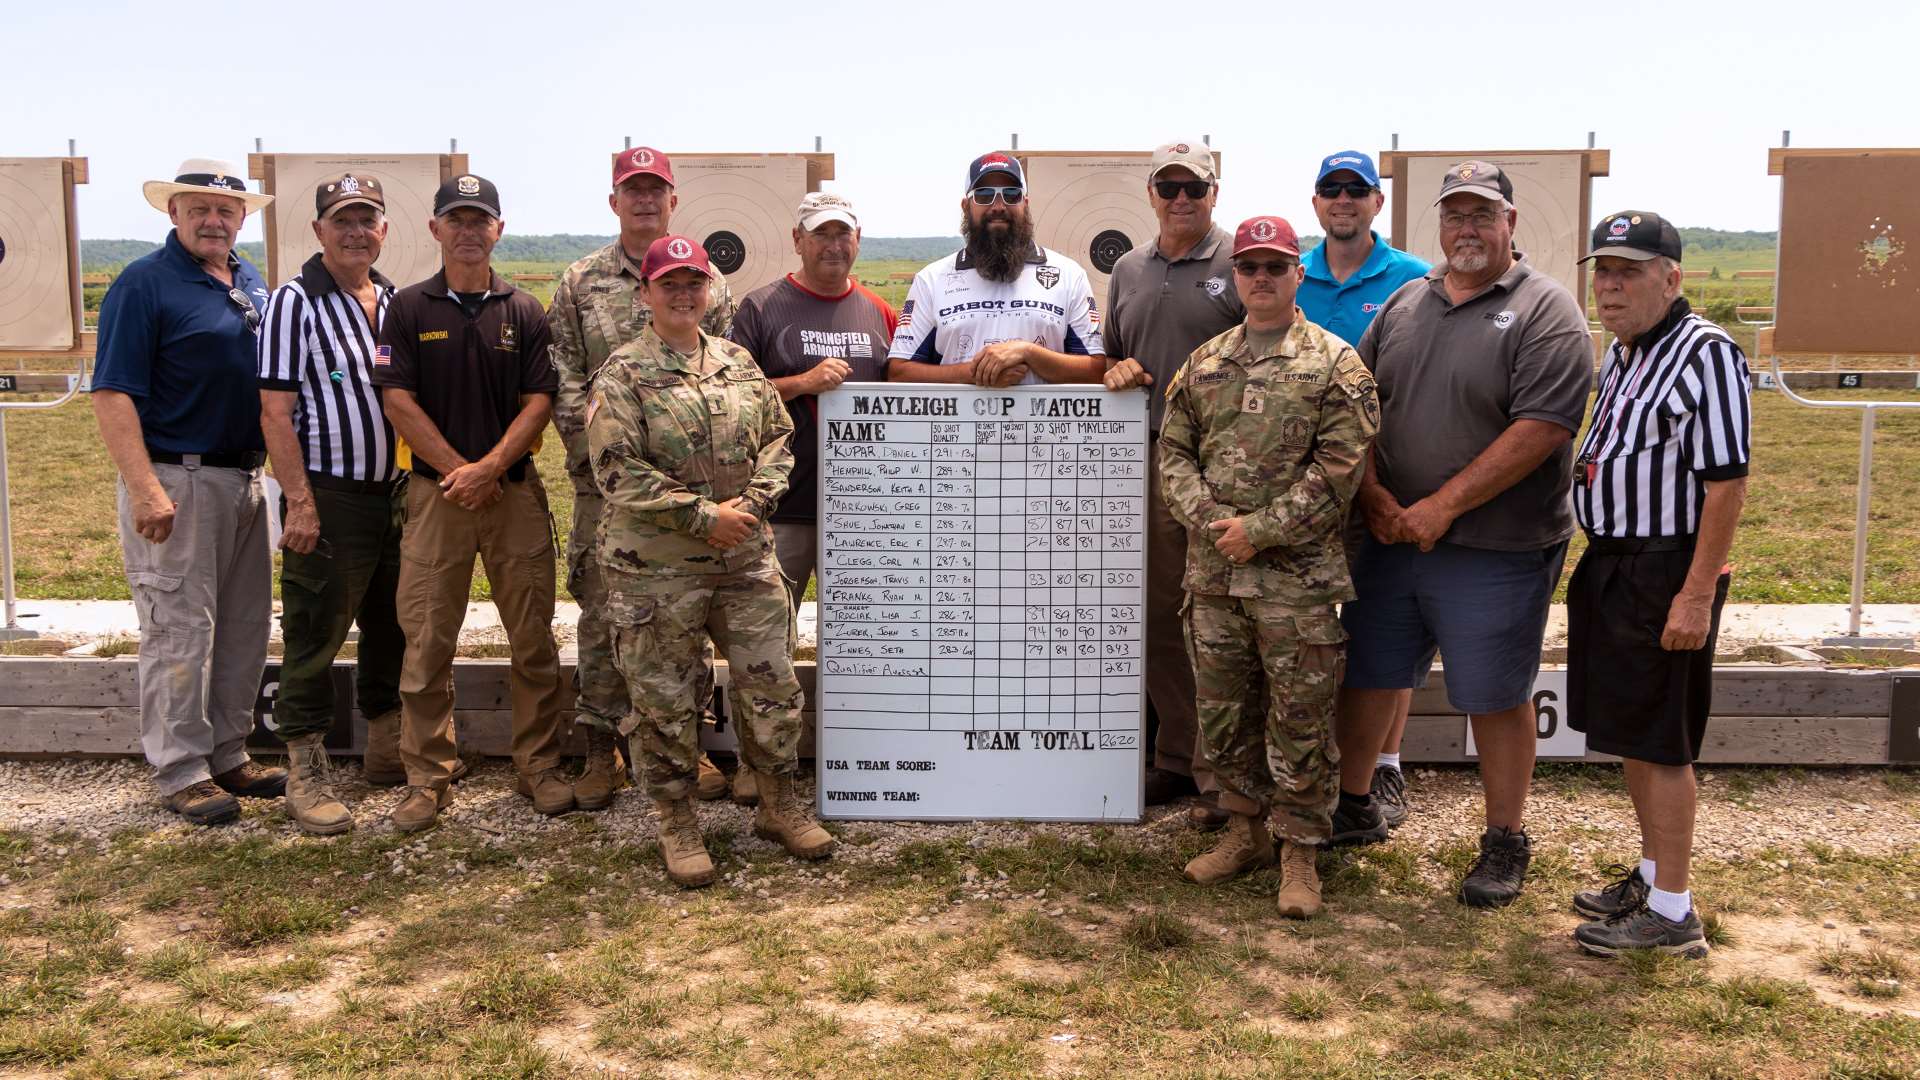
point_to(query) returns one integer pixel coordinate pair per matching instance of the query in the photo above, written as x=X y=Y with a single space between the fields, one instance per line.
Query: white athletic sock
x=1671 y=906
x=1392 y=761
x=1646 y=871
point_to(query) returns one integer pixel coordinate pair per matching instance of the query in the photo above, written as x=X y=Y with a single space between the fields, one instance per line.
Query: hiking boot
x=711 y=783
x=606 y=771
x=1627 y=891
x=1389 y=792
x=1244 y=845
x=551 y=794
x=746 y=786
x=204 y=804
x=1644 y=929
x=1299 y=880
x=254 y=780
x=381 y=759
x=419 y=807
x=688 y=863
x=310 y=800
x=1500 y=871
x=1205 y=814
x=783 y=817
x=1357 y=823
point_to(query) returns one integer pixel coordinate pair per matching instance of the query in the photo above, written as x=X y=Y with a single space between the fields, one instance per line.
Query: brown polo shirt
x=1159 y=310
x=468 y=371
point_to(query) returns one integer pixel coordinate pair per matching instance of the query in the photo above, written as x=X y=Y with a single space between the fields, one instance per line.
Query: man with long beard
x=1002 y=310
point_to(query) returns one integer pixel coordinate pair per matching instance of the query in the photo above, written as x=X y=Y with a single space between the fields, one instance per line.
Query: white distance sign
x=1557 y=740
x=982 y=592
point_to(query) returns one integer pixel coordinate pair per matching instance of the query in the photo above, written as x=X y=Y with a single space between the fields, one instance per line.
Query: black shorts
x=1633 y=698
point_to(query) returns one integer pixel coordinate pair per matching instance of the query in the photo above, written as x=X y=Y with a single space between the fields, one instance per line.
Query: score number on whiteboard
x=1557 y=740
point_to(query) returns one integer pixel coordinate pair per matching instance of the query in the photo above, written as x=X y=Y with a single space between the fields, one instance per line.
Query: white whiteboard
x=408 y=181
x=982 y=592
x=1547 y=190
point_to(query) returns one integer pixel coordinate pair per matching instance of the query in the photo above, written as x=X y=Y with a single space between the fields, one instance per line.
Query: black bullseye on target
x=3 y=249
x=1107 y=248
x=727 y=251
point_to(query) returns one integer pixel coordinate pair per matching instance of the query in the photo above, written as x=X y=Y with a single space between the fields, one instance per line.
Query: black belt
x=1637 y=545
x=515 y=472
x=240 y=459
x=383 y=488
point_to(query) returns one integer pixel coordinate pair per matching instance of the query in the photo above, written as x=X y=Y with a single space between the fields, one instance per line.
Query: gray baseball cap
x=1482 y=178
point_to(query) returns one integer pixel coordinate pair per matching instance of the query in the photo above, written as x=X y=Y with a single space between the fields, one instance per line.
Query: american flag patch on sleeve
x=383 y=356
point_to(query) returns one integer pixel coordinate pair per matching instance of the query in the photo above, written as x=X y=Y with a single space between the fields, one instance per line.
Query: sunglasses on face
x=1171 y=189
x=1278 y=268
x=1009 y=195
x=246 y=308
x=1359 y=189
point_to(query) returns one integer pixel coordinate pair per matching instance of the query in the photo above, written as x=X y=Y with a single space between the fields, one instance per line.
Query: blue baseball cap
x=1352 y=161
x=992 y=163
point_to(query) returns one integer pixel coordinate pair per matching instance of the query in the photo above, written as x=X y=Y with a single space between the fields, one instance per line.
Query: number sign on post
x=1557 y=740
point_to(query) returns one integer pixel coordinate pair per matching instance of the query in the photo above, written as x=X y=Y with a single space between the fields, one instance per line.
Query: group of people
x=1357 y=460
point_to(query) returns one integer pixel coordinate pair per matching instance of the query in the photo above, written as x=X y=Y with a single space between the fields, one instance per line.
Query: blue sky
x=1687 y=96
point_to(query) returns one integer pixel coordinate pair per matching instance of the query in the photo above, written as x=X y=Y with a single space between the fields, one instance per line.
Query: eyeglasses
x=1009 y=195
x=1277 y=268
x=1481 y=219
x=1171 y=189
x=246 y=308
x=1359 y=189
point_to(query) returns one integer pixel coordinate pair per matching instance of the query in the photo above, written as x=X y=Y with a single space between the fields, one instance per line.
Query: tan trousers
x=514 y=540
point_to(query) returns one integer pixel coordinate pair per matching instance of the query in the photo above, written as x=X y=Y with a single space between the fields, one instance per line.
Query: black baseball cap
x=1635 y=234
x=1482 y=178
x=346 y=189
x=468 y=190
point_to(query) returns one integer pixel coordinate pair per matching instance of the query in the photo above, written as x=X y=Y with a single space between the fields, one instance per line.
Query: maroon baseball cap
x=671 y=252
x=1265 y=233
x=641 y=159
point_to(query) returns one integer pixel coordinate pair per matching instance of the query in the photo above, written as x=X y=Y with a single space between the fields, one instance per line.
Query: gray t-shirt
x=1453 y=377
x=1158 y=311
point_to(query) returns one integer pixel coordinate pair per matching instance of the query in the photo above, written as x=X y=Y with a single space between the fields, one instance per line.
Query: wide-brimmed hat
x=204 y=176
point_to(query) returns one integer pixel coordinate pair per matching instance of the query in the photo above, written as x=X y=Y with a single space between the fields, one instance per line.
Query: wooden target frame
x=73 y=172
x=261 y=167
x=1834 y=293
x=1059 y=227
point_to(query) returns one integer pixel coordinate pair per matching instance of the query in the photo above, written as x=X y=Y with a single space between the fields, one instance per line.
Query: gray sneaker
x=1644 y=928
x=1389 y=793
x=1627 y=891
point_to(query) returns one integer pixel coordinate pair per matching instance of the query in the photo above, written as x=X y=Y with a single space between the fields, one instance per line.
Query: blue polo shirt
x=1344 y=308
x=173 y=340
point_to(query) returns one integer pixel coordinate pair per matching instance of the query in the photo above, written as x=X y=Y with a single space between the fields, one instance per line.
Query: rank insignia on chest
x=509 y=340
x=1254 y=399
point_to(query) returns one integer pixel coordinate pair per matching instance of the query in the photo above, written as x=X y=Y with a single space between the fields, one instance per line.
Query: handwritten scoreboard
x=982 y=591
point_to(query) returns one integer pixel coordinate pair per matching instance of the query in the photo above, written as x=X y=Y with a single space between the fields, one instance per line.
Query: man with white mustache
x=1484 y=367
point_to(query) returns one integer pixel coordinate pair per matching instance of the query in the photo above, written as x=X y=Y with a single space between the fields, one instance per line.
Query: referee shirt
x=1672 y=412
x=316 y=341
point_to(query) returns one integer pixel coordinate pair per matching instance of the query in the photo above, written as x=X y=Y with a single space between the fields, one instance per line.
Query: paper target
x=740 y=207
x=1092 y=209
x=409 y=181
x=1547 y=190
x=36 y=258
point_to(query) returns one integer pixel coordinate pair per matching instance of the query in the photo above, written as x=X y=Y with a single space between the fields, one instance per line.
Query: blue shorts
x=1485 y=611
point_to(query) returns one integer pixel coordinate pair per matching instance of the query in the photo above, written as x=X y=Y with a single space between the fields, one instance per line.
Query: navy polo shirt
x=173 y=340
x=1344 y=308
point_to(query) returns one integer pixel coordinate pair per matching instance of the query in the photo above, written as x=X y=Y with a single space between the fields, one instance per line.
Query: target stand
x=1553 y=190
x=1091 y=205
x=740 y=207
x=408 y=181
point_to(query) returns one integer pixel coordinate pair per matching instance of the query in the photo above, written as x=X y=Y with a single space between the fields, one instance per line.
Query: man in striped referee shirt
x=1658 y=486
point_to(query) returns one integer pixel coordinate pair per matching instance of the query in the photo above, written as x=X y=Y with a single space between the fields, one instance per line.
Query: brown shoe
x=254 y=780
x=419 y=808
x=1244 y=845
x=204 y=804
x=551 y=794
x=1299 y=880
x=381 y=760
x=688 y=863
x=1205 y=815
x=746 y=785
x=310 y=800
x=783 y=817
x=605 y=773
x=712 y=783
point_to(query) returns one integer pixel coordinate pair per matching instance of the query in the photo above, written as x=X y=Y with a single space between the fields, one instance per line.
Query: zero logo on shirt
x=1502 y=320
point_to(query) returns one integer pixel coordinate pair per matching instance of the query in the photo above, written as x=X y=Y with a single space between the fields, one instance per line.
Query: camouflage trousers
x=1281 y=760
x=660 y=631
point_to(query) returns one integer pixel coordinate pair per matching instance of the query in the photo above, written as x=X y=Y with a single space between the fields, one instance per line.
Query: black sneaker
x=1389 y=793
x=1500 y=871
x=1627 y=891
x=1644 y=928
x=1355 y=822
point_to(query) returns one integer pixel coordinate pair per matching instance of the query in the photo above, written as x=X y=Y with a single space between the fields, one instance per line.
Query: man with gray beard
x=1002 y=310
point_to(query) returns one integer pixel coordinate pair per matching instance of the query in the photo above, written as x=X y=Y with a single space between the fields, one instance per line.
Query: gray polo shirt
x=1454 y=376
x=1159 y=311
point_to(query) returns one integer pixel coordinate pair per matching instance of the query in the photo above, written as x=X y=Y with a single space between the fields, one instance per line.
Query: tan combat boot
x=746 y=787
x=1299 y=880
x=419 y=808
x=381 y=761
x=1245 y=844
x=784 y=818
x=310 y=800
x=550 y=792
x=712 y=783
x=688 y=863
x=605 y=774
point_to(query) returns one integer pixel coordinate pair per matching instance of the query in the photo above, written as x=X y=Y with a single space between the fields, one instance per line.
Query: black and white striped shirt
x=315 y=340
x=1672 y=413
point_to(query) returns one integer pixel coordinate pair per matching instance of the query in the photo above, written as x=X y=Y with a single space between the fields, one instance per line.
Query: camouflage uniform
x=1281 y=440
x=670 y=437
x=596 y=310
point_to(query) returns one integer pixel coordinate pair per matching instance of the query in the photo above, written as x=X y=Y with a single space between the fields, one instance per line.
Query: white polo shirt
x=952 y=312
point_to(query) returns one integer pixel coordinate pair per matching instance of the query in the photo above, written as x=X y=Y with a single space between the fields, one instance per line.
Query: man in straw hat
x=179 y=409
